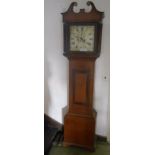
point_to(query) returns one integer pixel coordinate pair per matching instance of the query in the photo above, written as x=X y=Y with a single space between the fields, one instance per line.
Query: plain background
x=132 y=85
x=56 y=65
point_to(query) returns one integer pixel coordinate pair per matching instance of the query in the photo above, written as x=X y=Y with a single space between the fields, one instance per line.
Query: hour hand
x=82 y=39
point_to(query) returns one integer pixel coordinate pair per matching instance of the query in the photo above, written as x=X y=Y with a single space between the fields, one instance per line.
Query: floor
x=101 y=148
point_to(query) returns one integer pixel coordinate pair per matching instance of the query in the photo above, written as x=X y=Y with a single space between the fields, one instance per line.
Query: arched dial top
x=82 y=16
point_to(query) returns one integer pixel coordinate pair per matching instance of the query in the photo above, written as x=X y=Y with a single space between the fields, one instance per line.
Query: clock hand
x=77 y=37
x=88 y=43
x=82 y=39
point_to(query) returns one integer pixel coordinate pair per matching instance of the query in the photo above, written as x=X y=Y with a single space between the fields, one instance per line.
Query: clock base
x=66 y=144
x=79 y=130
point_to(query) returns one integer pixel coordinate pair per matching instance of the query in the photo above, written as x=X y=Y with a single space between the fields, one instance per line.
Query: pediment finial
x=93 y=16
x=71 y=8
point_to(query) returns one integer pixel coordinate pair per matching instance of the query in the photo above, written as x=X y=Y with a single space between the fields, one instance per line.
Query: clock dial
x=82 y=38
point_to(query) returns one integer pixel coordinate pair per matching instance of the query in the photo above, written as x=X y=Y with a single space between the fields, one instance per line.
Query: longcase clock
x=82 y=44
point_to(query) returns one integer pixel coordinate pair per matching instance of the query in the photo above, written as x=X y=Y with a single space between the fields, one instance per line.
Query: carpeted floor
x=101 y=148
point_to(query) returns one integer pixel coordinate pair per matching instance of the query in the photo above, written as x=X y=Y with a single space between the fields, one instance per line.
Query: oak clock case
x=82 y=45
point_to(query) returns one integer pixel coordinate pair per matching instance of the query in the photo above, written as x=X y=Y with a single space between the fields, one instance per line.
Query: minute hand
x=82 y=39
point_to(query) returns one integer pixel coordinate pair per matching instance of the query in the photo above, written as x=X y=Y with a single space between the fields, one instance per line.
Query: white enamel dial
x=82 y=38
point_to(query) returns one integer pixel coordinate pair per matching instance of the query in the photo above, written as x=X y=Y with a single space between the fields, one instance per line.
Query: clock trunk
x=79 y=128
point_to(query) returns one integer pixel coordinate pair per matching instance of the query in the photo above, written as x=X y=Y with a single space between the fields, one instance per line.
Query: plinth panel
x=79 y=131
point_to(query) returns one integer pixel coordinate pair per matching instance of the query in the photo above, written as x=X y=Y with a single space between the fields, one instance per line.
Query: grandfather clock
x=82 y=44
